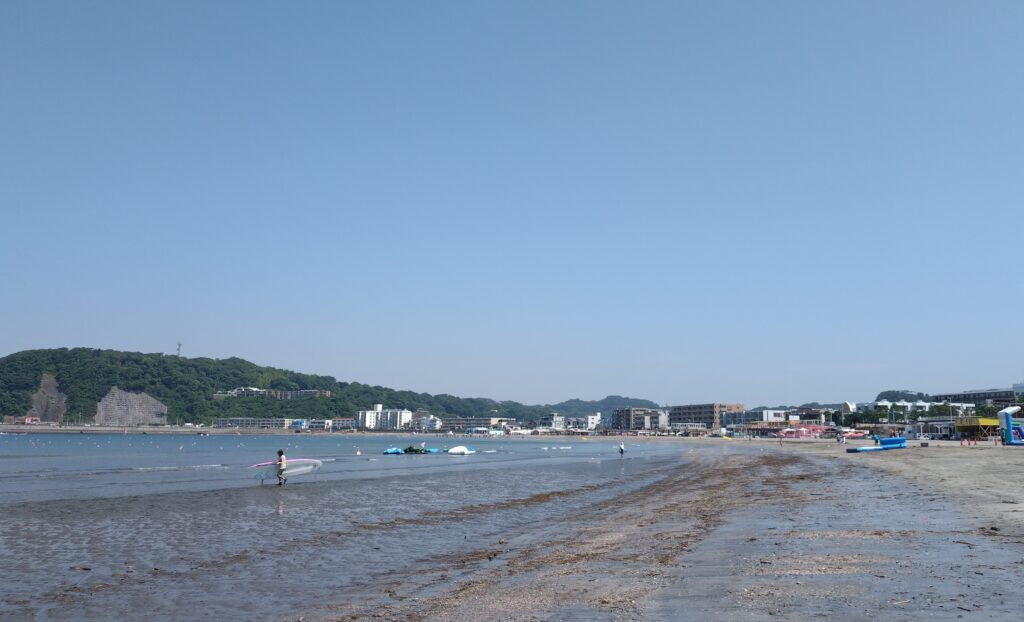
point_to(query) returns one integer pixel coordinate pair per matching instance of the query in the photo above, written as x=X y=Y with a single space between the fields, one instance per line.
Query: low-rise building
x=251 y=423
x=460 y=424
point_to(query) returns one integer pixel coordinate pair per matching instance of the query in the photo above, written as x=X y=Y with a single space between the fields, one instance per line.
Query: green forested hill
x=187 y=386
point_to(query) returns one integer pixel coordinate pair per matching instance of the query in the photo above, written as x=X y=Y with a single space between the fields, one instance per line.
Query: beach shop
x=977 y=427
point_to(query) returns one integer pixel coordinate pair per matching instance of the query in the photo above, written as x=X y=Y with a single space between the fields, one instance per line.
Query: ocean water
x=36 y=467
x=155 y=527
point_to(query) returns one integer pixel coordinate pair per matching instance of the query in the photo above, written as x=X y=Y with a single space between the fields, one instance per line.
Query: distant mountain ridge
x=186 y=386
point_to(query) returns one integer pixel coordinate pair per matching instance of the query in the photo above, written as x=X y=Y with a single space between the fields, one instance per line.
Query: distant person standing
x=282 y=464
x=622 y=448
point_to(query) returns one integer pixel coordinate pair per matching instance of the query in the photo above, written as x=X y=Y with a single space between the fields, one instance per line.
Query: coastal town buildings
x=461 y=424
x=259 y=423
x=904 y=407
x=710 y=415
x=301 y=394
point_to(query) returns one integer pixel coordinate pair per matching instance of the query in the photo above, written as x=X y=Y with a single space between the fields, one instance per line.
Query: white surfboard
x=293 y=467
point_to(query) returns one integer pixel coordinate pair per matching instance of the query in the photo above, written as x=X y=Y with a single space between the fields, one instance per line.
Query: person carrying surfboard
x=282 y=463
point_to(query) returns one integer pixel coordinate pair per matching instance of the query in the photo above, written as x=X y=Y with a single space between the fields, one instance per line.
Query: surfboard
x=294 y=466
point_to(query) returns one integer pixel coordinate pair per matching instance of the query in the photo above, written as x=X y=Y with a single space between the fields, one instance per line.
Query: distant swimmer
x=282 y=464
x=622 y=448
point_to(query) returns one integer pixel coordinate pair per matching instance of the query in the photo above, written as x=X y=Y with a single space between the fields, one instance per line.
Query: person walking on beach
x=622 y=448
x=282 y=463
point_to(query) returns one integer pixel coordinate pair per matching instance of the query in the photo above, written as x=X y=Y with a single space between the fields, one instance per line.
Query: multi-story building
x=423 y=421
x=587 y=422
x=367 y=419
x=749 y=416
x=993 y=397
x=554 y=421
x=343 y=423
x=635 y=418
x=384 y=419
x=708 y=414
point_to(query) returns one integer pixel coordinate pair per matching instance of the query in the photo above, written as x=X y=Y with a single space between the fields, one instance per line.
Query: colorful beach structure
x=1010 y=430
x=896 y=442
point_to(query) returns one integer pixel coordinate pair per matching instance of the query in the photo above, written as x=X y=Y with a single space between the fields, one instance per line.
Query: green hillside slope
x=187 y=386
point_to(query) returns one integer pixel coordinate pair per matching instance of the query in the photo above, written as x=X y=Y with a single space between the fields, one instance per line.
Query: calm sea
x=35 y=467
x=155 y=527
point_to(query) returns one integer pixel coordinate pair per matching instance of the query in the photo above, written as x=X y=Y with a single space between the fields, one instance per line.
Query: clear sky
x=766 y=202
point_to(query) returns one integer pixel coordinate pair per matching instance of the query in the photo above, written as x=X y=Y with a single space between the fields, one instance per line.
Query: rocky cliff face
x=48 y=403
x=123 y=408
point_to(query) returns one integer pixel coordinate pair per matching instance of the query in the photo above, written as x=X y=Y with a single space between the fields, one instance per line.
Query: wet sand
x=725 y=531
x=746 y=532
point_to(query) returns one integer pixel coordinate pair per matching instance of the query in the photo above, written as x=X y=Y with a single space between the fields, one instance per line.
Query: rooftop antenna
x=179 y=349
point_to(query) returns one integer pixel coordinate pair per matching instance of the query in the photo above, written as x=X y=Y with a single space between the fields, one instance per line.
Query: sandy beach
x=755 y=531
x=718 y=530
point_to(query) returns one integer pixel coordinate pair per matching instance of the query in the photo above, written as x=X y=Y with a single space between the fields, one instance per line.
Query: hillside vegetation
x=187 y=385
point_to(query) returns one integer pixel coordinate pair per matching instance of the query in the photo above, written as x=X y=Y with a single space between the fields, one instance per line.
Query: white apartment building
x=423 y=421
x=554 y=421
x=384 y=419
x=586 y=422
x=774 y=415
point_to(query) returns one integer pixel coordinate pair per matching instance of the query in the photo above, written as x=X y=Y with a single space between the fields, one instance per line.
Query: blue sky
x=732 y=201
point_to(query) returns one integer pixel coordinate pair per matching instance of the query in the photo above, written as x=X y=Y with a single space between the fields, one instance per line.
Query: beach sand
x=751 y=531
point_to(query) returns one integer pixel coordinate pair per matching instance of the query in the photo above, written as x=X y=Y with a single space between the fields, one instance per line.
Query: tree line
x=186 y=386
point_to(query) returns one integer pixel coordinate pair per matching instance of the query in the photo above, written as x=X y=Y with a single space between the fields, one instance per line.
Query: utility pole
x=179 y=349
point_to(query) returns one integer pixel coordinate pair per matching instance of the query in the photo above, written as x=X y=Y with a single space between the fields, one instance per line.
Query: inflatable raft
x=897 y=442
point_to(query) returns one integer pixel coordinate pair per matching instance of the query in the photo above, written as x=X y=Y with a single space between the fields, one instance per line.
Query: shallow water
x=133 y=528
x=36 y=467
